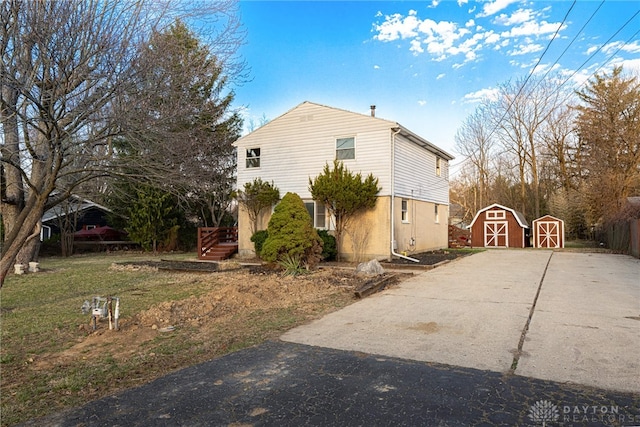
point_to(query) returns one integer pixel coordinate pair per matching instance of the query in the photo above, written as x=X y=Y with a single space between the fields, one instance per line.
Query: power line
x=571 y=43
x=599 y=49
x=532 y=70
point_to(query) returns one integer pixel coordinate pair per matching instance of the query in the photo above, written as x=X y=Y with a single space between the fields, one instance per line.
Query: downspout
x=393 y=196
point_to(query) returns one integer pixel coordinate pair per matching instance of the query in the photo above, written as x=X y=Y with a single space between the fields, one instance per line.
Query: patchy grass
x=51 y=359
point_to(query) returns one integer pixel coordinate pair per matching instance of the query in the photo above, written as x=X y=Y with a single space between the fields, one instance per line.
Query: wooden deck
x=217 y=243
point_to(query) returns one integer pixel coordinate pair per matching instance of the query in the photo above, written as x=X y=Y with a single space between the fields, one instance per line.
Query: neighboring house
x=89 y=215
x=548 y=232
x=498 y=226
x=411 y=214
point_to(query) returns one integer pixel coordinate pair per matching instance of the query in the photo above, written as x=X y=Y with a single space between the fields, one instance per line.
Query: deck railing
x=210 y=237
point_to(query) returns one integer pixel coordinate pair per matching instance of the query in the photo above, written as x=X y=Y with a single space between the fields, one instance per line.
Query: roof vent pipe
x=373 y=111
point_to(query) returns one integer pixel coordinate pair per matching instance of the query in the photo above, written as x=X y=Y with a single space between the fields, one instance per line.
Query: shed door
x=547 y=234
x=496 y=234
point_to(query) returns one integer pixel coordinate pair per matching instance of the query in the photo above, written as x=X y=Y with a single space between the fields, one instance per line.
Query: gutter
x=393 y=196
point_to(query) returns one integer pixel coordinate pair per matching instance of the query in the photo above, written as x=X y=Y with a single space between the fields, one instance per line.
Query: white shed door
x=496 y=234
x=547 y=234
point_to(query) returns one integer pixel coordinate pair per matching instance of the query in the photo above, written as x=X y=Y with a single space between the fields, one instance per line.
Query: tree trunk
x=23 y=235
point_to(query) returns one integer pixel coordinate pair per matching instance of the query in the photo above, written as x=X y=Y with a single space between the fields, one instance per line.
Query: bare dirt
x=244 y=290
x=240 y=293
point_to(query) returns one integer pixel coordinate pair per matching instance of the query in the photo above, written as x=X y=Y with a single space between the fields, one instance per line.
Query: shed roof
x=518 y=215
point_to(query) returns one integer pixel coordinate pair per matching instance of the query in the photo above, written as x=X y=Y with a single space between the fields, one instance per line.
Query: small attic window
x=500 y=214
x=253 y=158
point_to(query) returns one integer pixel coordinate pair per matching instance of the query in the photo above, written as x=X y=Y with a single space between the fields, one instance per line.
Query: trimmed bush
x=329 y=249
x=291 y=233
x=258 y=239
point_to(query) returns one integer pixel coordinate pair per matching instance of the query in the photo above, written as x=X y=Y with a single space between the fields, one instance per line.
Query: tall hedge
x=291 y=233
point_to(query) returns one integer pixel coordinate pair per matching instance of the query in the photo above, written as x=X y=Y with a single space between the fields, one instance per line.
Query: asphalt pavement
x=500 y=338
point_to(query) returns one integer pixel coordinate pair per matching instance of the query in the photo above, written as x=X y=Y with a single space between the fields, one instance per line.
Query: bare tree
x=473 y=140
x=63 y=64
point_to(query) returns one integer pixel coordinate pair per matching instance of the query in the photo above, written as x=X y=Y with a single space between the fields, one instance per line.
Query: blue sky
x=423 y=64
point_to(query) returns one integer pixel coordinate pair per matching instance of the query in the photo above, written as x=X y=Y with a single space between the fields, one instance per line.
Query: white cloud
x=491 y=37
x=440 y=76
x=422 y=103
x=416 y=47
x=481 y=95
x=630 y=65
x=434 y=3
x=533 y=28
x=620 y=46
x=591 y=50
x=518 y=17
x=396 y=27
x=376 y=67
x=444 y=39
x=493 y=7
x=462 y=2
x=525 y=49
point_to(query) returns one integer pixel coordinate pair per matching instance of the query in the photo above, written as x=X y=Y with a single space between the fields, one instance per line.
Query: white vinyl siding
x=415 y=173
x=297 y=145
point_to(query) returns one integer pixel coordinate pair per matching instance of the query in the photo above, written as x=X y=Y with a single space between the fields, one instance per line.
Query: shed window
x=345 y=148
x=253 y=157
x=495 y=215
x=438 y=166
x=318 y=213
x=435 y=211
x=405 y=210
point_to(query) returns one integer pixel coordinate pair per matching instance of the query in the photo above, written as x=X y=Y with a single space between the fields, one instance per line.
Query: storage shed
x=498 y=226
x=548 y=232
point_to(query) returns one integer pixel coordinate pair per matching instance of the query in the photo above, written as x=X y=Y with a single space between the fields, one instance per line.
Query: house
x=548 y=232
x=498 y=226
x=411 y=214
x=87 y=214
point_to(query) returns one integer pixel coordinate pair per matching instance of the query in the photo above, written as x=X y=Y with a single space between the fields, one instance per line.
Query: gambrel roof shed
x=499 y=227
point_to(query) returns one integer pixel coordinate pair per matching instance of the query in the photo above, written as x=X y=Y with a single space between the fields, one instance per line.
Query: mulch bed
x=426 y=259
x=429 y=258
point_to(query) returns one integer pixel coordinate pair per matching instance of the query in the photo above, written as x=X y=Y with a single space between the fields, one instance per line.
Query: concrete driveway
x=561 y=316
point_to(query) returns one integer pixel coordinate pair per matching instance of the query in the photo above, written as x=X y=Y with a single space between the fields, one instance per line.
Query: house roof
x=395 y=126
x=83 y=204
x=547 y=217
x=518 y=215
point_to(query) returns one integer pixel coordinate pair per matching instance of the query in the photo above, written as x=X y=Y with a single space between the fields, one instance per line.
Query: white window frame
x=437 y=214
x=404 y=210
x=317 y=215
x=438 y=166
x=352 y=149
x=495 y=214
x=252 y=160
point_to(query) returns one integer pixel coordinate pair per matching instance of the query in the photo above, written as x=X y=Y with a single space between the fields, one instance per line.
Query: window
x=438 y=166
x=345 y=148
x=435 y=211
x=253 y=157
x=318 y=214
x=495 y=215
x=405 y=210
